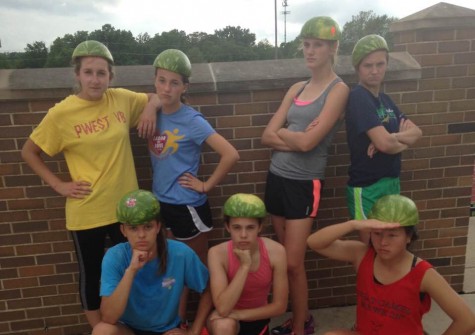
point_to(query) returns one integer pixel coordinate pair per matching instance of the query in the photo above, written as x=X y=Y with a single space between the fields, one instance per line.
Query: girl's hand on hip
x=74 y=189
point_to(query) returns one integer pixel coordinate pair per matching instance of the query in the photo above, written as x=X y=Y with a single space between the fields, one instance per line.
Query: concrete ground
x=469 y=277
x=435 y=321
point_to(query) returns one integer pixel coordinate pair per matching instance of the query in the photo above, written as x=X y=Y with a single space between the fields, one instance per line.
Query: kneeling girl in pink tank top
x=244 y=270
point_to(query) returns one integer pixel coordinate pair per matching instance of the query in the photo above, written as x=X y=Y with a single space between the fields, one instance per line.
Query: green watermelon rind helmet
x=243 y=205
x=367 y=45
x=174 y=60
x=92 y=48
x=137 y=207
x=395 y=208
x=321 y=27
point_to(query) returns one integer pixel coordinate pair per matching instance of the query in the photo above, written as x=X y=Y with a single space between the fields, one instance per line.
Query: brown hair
x=162 y=247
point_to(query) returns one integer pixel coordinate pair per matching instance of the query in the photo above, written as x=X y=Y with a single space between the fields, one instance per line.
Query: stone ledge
x=26 y=84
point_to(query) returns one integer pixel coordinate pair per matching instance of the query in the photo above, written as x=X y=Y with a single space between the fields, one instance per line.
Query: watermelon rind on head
x=321 y=27
x=92 y=48
x=137 y=207
x=395 y=208
x=245 y=206
x=173 y=60
x=367 y=45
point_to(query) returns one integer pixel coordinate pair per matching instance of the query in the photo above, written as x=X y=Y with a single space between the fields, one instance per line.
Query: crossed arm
x=226 y=294
x=393 y=143
x=280 y=138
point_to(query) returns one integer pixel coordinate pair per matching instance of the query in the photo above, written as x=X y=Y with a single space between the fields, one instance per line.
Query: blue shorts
x=292 y=199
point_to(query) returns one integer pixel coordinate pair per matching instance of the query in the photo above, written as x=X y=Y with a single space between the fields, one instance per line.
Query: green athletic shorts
x=361 y=199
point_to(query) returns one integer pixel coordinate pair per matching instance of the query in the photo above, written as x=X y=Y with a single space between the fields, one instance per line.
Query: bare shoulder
x=274 y=248
x=272 y=243
x=218 y=250
x=341 y=87
x=296 y=87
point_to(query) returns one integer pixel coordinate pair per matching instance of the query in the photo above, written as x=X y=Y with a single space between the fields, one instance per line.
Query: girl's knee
x=340 y=332
x=223 y=326
x=103 y=328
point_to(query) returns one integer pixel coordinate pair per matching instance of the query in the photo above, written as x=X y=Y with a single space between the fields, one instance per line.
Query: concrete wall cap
x=441 y=15
x=207 y=77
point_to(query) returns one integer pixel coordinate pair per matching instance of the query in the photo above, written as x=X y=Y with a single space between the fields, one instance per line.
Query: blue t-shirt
x=154 y=299
x=364 y=111
x=175 y=149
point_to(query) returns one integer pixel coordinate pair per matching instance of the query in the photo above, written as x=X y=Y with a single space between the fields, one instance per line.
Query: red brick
x=35 y=271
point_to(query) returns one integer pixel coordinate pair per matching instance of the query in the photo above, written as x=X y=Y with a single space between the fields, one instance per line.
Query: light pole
x=285 y=12
x=275 y=32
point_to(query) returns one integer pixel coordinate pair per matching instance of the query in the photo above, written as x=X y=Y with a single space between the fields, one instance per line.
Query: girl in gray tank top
x=300 y=133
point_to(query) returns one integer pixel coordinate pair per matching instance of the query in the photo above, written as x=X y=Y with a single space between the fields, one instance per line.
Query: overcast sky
x=29 y=21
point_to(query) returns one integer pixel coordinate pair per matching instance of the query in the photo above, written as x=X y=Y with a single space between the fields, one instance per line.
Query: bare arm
x=148 y=118
x=204 y=308
x=384 y=141
x=31 y=153
x=226 y=294
x=408 y=133
x=278 y=120
x=229 y=157
x=332 y=111
x=463 y=318
x=327 y=241
x=113 y=306
x=394 y=143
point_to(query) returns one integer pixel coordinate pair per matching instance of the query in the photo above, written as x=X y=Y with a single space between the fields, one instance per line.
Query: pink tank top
x=257 y=286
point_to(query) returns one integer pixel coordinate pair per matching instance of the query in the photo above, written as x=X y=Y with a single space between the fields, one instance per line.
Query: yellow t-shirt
x=94 y=138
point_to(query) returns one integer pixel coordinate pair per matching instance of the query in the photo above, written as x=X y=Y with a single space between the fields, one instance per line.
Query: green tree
x=35 y=55
x=237 y=35
x=195 y=55
x=229 y=44
x=62 y=49
x=365 y=23
x=265 y=50
x=225 y=45
x=290 y=49
x=7 y=60
x=121 y=44
x=144 y=47
x=173 y=39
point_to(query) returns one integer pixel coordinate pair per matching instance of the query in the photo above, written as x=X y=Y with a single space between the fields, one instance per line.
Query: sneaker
x=286 y=327
x=283 y=329
x=184 y=325
x=309 y=327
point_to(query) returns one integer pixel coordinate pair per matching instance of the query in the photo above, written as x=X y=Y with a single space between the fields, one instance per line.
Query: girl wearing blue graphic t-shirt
x=175 y=151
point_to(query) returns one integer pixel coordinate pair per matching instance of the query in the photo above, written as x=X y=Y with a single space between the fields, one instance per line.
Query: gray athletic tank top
x=305 y=165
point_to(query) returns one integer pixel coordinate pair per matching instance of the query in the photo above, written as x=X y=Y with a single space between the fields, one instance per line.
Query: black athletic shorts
x=186 y=222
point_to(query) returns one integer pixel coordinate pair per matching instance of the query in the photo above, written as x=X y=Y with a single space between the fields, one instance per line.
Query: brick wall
x=431 y=77
x=439 y=179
